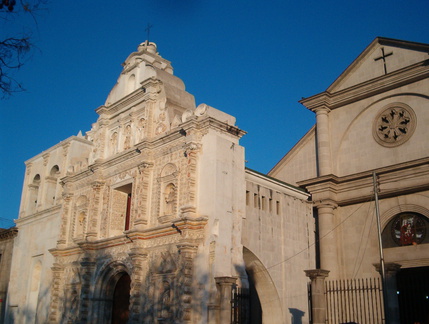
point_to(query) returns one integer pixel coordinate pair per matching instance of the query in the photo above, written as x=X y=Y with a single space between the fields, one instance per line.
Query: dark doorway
x=413 y=295
x=121 y=300
x=255 y=304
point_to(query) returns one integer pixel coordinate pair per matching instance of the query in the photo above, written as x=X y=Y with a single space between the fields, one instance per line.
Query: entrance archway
x=121 y=300
x=260 y=282
x=111 y=299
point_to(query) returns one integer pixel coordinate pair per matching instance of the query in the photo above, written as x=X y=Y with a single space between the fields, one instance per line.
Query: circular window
x=408 y=229
x=394 y=125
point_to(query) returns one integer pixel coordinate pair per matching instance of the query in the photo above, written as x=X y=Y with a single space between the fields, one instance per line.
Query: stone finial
x=150 y=47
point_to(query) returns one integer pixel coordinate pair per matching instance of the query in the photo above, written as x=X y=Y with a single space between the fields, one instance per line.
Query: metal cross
x=383 y=57
x=149 y=26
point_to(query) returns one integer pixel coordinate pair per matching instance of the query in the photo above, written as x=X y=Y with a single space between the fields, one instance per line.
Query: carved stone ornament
x=394 y=125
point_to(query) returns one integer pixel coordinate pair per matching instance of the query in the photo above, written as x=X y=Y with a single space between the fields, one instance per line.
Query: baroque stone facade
x=147 y=217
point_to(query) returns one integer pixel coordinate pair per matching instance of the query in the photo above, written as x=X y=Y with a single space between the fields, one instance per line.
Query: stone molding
x=357 y=188
x=384 y=83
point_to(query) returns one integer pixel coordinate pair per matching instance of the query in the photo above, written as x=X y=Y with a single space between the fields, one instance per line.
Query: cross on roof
x=383 y=57
x=149 y=26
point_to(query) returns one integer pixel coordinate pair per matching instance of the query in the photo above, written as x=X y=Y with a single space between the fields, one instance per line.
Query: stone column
x=187 y=252
x=65 y=220
x=57 y=293
x=95 y=210
x=318 y=301
x=391 y=304
x=224 y=286
x=327 y=237
x=142 y=195
x=137 y=293
x=323 y=144
x=88 y=267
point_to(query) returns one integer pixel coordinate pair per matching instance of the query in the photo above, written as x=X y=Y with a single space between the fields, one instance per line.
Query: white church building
x=152 y=217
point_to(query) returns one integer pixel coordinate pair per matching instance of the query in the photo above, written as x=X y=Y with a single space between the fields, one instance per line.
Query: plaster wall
x=353 y=147
x=278 y=229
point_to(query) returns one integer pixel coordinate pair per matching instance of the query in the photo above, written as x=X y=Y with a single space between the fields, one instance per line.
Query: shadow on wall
x=17 y=314
x=297 y=315
x=126 y=288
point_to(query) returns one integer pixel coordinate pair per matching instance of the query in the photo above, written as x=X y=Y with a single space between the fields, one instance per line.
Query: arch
x=33 y=194
x=264 y=285
x=114 y=143
x=131 y=83
x=168 y=169
x=54 y=171
x=104 y=290
x=51 y=186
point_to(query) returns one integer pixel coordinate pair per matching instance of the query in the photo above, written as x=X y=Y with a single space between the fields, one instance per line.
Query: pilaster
x=327 y=237
x=57 y=293
x=87 y=265
x=93 y=228
x=224 y=286
x=323 y=143
x=65 y=218
x=318 y=301
x=187 y=252
x=139 y=259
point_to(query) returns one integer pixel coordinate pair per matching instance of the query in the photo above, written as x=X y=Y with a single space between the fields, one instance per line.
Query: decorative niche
x=168 y=193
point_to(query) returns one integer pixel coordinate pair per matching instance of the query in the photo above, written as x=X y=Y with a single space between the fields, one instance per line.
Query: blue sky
x=251 y=59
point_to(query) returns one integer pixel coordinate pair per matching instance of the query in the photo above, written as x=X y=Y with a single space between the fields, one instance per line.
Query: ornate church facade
x=152 y=217
x=141 y=219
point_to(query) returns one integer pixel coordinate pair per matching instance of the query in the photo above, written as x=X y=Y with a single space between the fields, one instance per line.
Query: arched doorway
x=406 y=242
x=121 y=300
x=111 y=299
x=264 y=299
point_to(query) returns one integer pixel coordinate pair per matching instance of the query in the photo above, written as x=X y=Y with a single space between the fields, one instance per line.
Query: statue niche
x=127 y=141
x=81 y=212
x=168 y=193
x=169 y=199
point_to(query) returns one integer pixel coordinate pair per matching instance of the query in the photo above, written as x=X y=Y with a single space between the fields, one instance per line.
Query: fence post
x=318 y=301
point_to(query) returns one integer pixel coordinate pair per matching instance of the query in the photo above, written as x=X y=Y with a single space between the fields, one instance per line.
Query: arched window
x=33 y=194
x=51 y=186
x=131 y=84
x=408 y=228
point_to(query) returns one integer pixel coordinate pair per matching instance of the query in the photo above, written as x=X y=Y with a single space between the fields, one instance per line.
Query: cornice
x=64 y=143
x=395 y=180
x=269 y=182
x=396 y=79
x=133 y=99
x=39 y=215
x=147 y=146
x=8 y=234
x=180 y=233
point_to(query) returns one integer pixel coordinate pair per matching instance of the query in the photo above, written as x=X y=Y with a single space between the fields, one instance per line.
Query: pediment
x=383 y=56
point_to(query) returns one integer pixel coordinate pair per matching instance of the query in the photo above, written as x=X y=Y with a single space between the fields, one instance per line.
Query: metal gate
x=240 y=306
x=355 y=300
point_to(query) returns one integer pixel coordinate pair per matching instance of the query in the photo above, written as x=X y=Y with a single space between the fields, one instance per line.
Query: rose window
x=394 y=125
